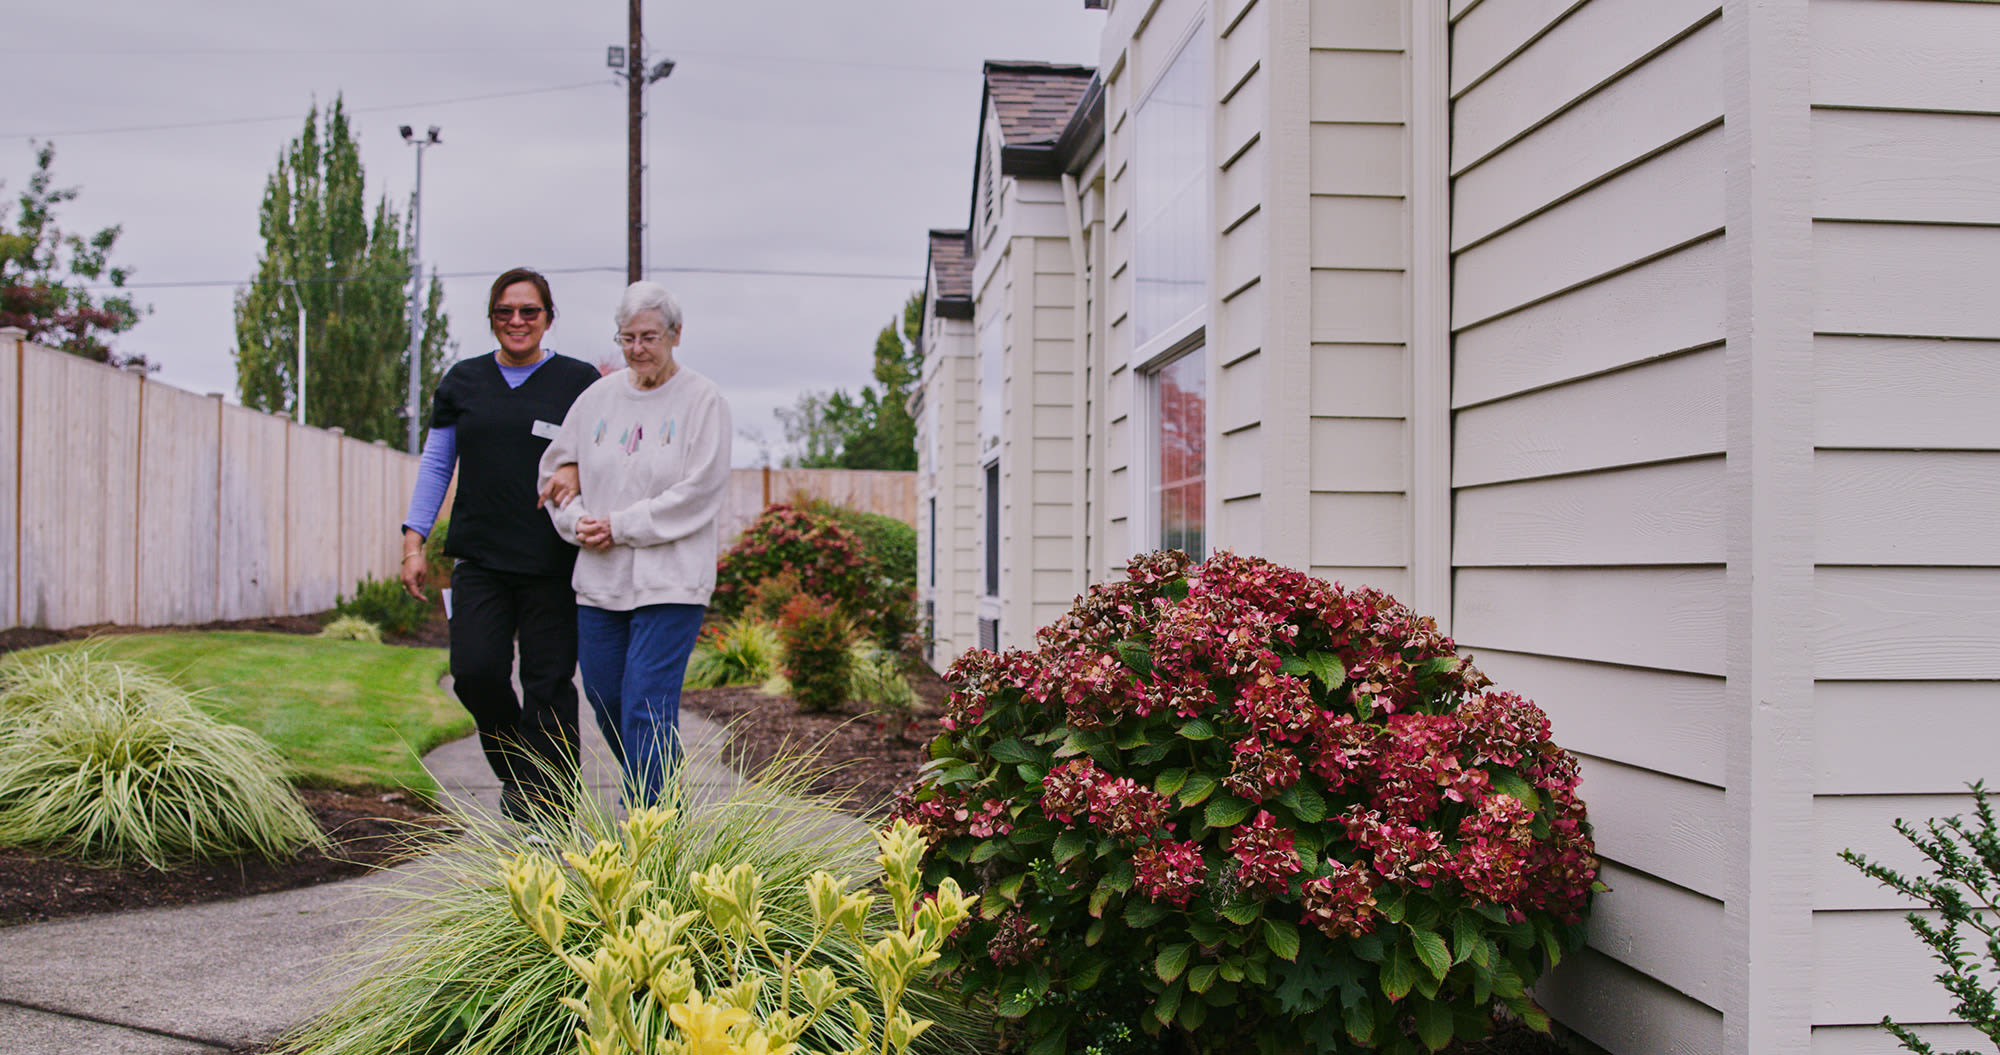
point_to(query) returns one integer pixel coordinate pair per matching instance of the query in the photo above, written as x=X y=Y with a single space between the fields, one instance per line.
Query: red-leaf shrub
x=768 y=598
x=1297 y=806
x=825 y=556
x=815 y=636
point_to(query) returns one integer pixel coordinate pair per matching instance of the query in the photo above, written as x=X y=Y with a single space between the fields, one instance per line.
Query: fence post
x=18 y=337
x=767 y=488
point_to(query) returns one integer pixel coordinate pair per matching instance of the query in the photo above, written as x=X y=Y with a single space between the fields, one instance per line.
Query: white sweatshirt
x=657 y=463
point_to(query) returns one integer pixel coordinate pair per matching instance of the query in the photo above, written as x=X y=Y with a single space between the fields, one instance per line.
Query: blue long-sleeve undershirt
x=440 y=457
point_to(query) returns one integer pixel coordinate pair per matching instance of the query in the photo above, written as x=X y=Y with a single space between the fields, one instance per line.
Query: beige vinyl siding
x=1906 y=474
x=1032 y=287
x=1357 y=218
x=1588 y=539
x=951 y=403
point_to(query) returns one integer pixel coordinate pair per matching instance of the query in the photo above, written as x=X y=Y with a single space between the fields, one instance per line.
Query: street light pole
x=430 y=139
x=630 y=63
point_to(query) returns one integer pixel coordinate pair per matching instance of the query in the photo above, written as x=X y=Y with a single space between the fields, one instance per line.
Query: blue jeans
x=633 y=663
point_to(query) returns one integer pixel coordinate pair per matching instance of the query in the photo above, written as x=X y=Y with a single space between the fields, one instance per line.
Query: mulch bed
x=868 y=756
x=369 y=831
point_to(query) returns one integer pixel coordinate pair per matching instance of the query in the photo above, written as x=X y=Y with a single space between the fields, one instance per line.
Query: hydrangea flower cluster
x=1232 y=770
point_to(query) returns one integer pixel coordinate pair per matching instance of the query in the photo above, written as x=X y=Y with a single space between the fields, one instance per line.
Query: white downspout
x=1080 y=372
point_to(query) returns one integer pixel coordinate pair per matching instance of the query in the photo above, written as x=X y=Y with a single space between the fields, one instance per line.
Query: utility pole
x=630 y=62
x=429 y=139
x=635 y=122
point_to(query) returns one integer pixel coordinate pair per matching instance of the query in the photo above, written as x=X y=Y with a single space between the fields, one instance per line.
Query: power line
x=740 y=56
x=754 y=272
x=219 y=122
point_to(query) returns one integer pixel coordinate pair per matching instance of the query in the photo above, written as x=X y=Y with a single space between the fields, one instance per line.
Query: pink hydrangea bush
x=826 y=559
x=1310 y=819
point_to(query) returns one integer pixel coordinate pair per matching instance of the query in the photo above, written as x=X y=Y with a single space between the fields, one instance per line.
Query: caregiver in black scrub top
x=490 y=419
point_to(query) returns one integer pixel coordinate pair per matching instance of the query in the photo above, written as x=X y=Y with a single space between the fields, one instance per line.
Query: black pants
x=530 y=741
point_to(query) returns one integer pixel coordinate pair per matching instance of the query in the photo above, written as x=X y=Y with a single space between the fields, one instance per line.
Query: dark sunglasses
x=527 y=314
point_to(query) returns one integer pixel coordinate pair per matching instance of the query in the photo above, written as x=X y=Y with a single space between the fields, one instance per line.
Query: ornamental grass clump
x=1297 y=806
x=700 y=982
x=110 y=764
x=352 y=628
x=743 y=651
x=458 y=972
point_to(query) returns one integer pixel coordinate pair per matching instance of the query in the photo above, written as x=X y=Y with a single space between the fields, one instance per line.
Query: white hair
x=641 y=297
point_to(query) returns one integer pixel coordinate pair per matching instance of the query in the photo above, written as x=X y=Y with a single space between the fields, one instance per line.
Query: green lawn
x=343 y=713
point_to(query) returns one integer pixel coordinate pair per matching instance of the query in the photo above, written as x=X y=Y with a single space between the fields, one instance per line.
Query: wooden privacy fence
x=128 y=501
x=873 y=491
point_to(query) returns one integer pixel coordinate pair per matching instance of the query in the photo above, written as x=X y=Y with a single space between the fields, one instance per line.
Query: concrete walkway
x=236 y=975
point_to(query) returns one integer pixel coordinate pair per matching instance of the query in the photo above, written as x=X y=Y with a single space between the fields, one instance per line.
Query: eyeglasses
x=527 y=314
x=649 y=339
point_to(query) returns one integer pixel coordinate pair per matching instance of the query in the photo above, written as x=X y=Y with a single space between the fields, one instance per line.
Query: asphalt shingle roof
x=951 y=264
x=1034 y=99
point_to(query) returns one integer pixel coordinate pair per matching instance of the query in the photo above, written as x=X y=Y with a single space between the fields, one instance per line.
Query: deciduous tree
x=47 y=275
x=833 y=430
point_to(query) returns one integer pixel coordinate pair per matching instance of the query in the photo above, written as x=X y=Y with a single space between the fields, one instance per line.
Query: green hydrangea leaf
x=1141 y=913
x=1136 y=655
x=1432 y=951
x=1170 y=780
x=1226 y=811
x=1241 y=913
x=1307 y=805
x=1086 y=974
x=1198 y=729
x=1198 y=788
x=1171 y=961
x=1434 y=1026
x=1282 y=938
x=1359 y=1019
x=1012 y=752
x=1399 y=973
x=987 y=850
x=1068 y=845
x=1202 y=977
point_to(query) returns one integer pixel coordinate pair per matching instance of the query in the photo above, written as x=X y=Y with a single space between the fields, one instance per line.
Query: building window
x=993 y=530
x=1170 y=253
x=989 y=384
x=1179 y=419
x=933 y=557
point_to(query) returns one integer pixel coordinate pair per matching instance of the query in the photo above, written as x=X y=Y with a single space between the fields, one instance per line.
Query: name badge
x=544 y=430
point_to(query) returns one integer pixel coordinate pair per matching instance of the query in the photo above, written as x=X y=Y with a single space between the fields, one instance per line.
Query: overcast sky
x=793 y=135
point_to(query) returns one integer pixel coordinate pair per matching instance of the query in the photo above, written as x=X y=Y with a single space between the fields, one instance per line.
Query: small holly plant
x=1305 y=815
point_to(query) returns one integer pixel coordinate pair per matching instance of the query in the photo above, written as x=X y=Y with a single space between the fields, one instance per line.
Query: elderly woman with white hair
x=637 y=474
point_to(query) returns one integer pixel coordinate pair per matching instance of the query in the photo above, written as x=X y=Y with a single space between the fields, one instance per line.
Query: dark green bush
x=437 y=565
x=890 y=549
x=384 y=603
x=815 y=636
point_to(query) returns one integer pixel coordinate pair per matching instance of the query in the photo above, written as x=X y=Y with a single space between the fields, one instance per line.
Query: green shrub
x=741 y=652
x=1962 y=888
x=1294 y=804
x=890 y=547
x=460 y=974
x=109 y=764
x=352 y=628
x=385 y=603
x=816 y=638
x=825 y=556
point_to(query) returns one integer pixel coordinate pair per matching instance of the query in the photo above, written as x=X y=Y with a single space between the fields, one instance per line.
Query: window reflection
x=1170 y=195
x=1180 y=410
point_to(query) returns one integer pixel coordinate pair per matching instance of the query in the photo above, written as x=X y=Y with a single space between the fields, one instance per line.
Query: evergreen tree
x=46 y=272
x=352 y=272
